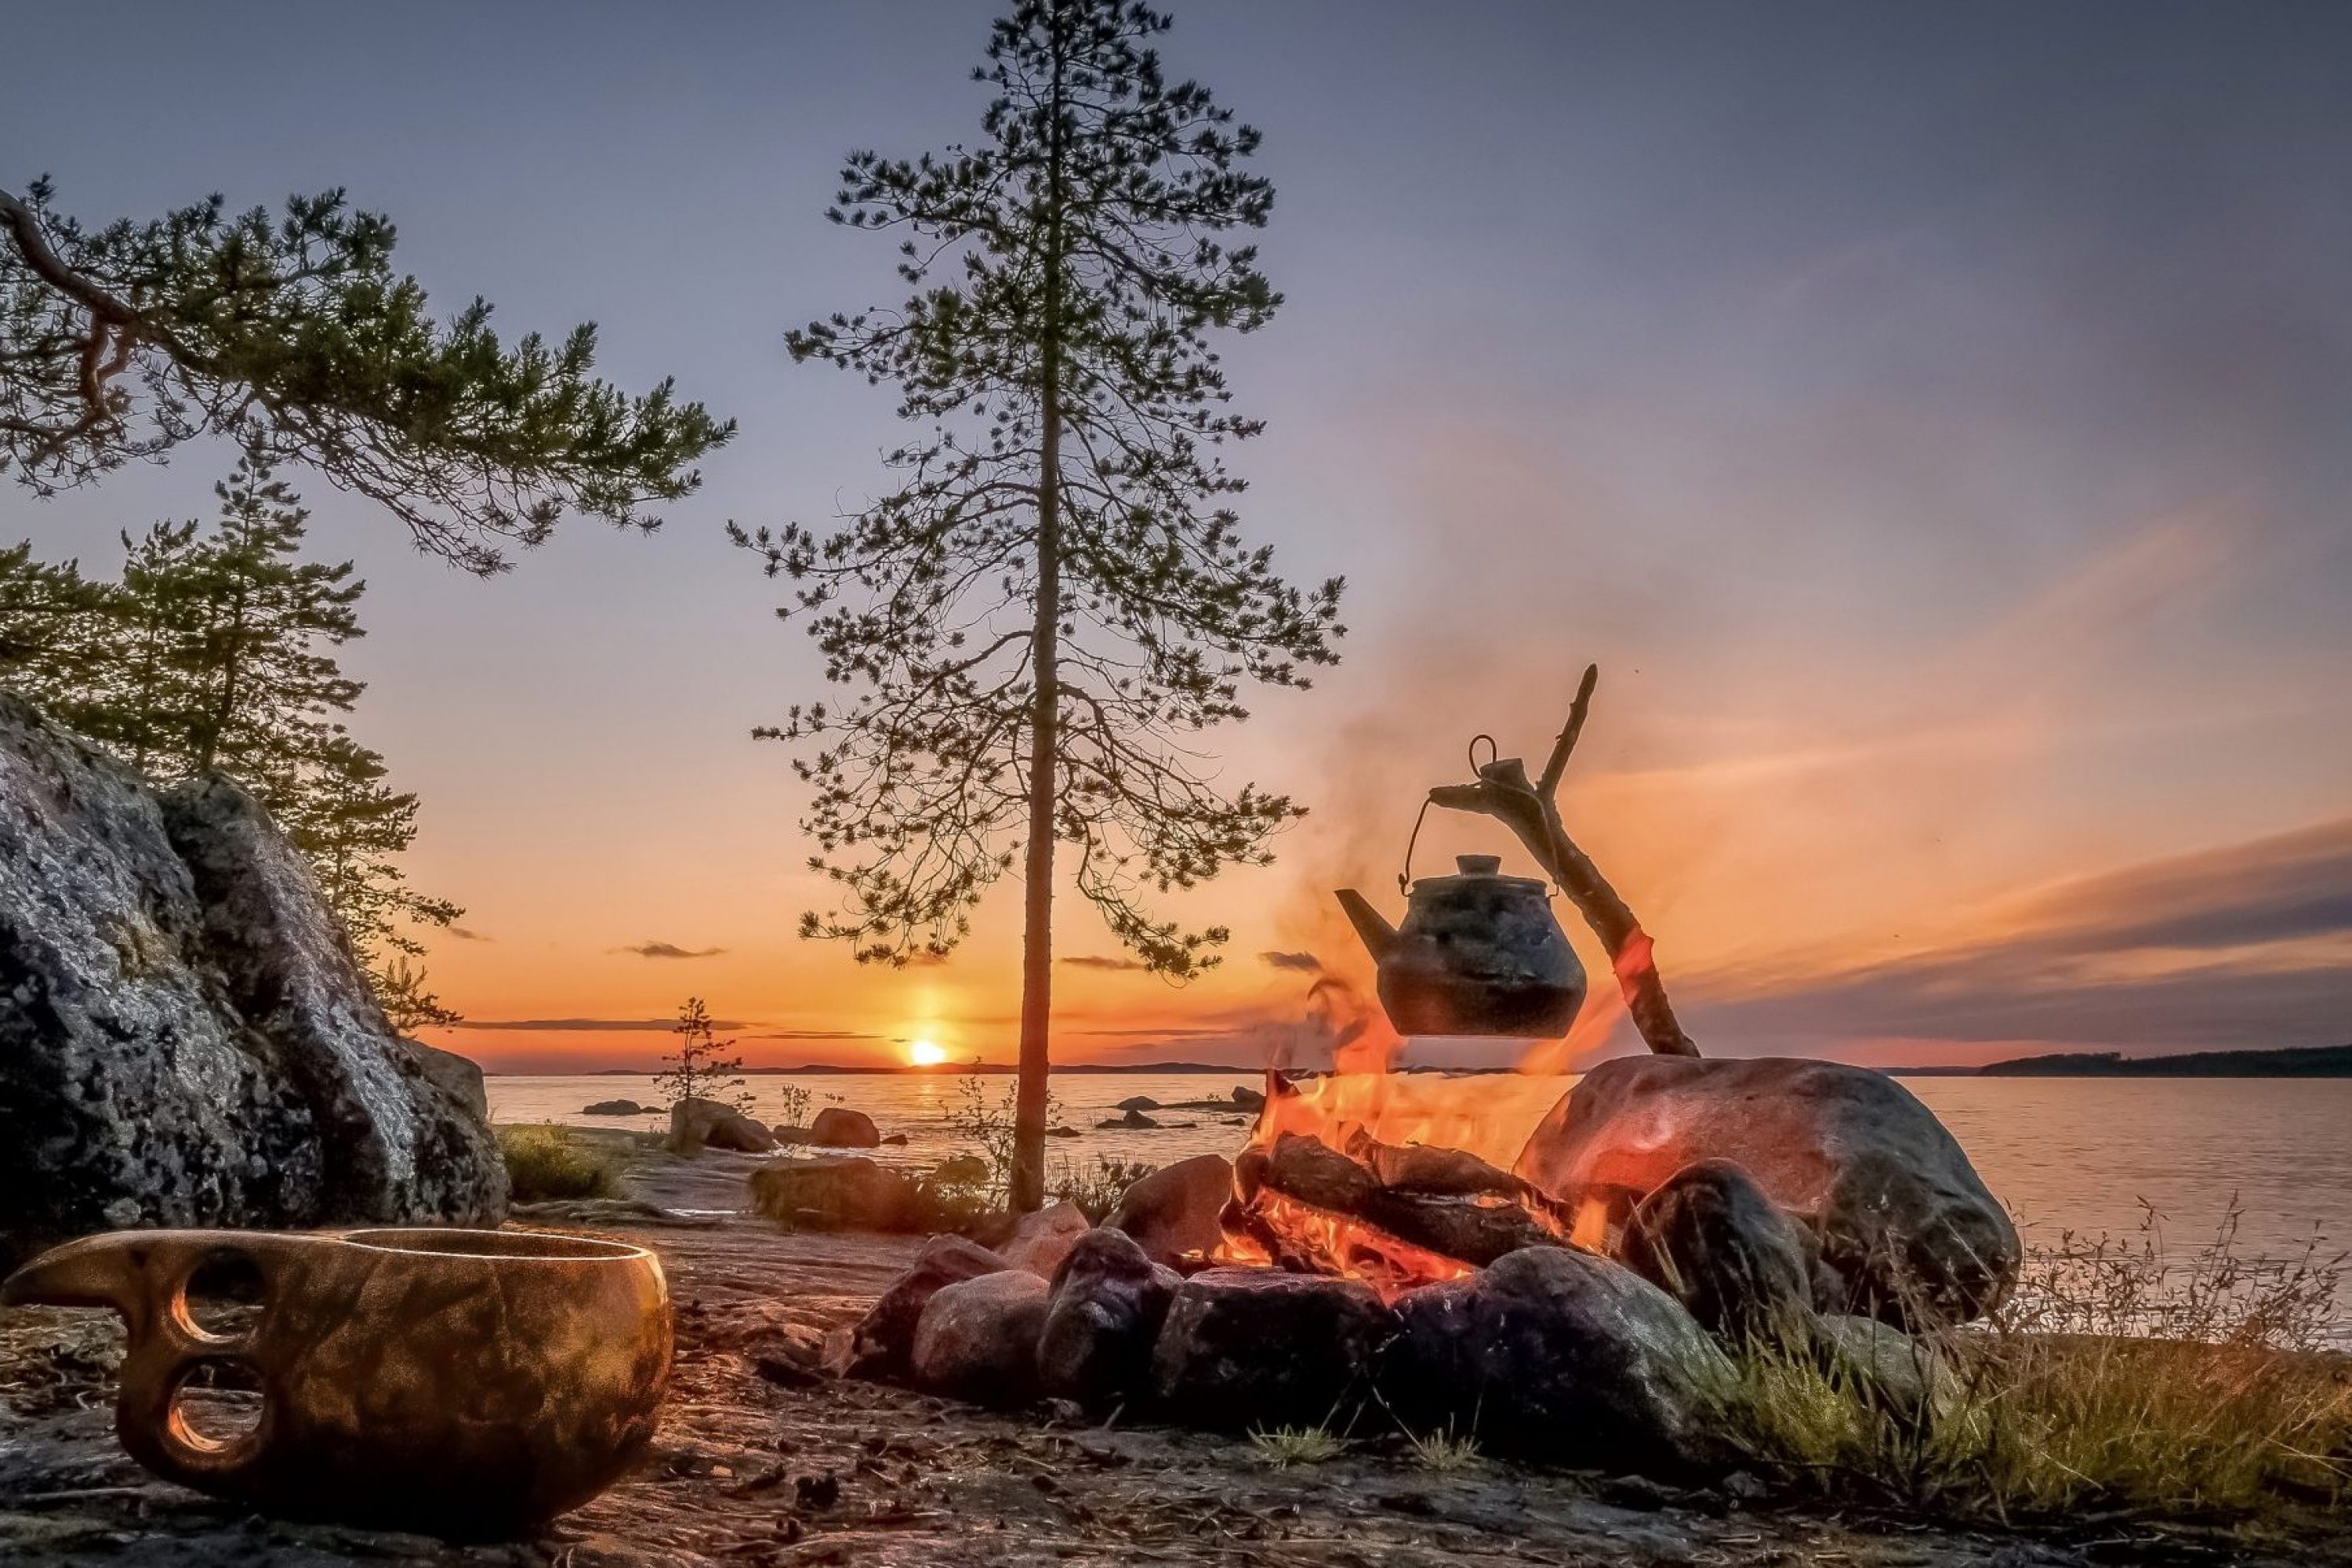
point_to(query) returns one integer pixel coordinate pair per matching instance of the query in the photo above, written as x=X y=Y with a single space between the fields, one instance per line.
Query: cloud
x=1297 y=963
x=670 y=950
x=815 y=1035
x=583 y=1025
x=462 y=934
x=1117 y=965
x=2249 y=944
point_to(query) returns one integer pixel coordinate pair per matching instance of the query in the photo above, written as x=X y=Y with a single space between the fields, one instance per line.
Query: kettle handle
x=1494 y=754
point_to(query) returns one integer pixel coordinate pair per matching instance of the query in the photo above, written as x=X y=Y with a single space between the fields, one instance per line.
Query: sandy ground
x=761 y=1464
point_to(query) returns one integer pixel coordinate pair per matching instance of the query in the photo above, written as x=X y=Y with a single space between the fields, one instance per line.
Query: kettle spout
x=1379 y=937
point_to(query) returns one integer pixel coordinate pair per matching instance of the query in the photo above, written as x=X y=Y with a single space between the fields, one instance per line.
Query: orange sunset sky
x=1934 y=425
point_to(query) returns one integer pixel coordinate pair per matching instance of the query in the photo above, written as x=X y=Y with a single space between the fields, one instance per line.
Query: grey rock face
x=1714 y=1243
x=185 y=1038
x=1902 y=1220
x=1109 y=1303
x=1174 y=1210
x=1255 y=1347
x=1561 y=1356
x=977 y=1339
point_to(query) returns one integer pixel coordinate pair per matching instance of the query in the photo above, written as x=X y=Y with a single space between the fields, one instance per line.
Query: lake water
x=2079 y=1155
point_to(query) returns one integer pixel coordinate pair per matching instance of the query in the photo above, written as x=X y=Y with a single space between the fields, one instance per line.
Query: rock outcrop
x=1109 y=1303
x=1903 y=1222
x=185 y=1037
x=837 y=1191
x=1712 y=1241
x=1255 y=1347
x=1559 y=1355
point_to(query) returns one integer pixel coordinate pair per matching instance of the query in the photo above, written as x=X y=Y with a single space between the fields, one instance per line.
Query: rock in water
x=1256 y=1347
x=1559 y=1355
x=977 y=1339
x=1714 y=1243
x=838 y=1127
x=697 y=1123
x=185 y=1038
x=1902 y=1220
x=882 y=1345
x=1109 y=1303
x=1173 y=1211
x=1040 y=1241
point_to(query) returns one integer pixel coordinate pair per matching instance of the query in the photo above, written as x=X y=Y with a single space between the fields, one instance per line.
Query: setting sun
x=926 y=1053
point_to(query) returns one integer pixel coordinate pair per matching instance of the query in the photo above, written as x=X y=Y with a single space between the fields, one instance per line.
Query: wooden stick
x=1310 y=1171
x=1504 y=793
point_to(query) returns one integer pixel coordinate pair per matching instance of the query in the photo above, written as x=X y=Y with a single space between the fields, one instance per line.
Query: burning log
x=1530 y=809
x=1478 y=1216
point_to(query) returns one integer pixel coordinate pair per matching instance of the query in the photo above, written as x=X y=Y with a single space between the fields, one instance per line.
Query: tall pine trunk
x=1025 y=1183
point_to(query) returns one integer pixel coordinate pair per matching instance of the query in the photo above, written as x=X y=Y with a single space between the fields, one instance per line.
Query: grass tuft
x=544 y=1162
x=1283 y=1446
x=1444 y=1451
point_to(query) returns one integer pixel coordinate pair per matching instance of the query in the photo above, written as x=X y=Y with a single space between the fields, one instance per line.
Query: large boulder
x=696 y=1123
x=1555 y=1354
x=1109 y=1303
x=1903 y=1222
x=185 y=1037
x=1173 y=1211
x=844 y=1192
x=1245 y=1348
x=977 y=1339
x=1712 y=1241
x=882 y=1345
x=838 y=1127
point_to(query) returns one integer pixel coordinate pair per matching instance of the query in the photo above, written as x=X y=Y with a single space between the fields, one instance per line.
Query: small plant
x=1444 y=1451
x=975 y=1119
x=1283 y=1446
x=1096 y=1192
x=544 y=1162
x=795 y=1111
x=699 y=1068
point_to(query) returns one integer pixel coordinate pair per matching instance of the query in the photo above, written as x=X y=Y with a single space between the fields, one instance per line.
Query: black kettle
x=1478 y=953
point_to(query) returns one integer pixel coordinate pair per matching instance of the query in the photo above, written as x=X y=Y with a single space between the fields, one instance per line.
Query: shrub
x=1096 y=1192
x=545 y=1163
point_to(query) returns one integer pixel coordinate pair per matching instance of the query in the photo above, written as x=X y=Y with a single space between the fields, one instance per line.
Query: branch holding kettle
x=1531 y=811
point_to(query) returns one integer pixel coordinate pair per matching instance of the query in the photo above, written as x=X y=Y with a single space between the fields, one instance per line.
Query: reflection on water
x=2078 y=1155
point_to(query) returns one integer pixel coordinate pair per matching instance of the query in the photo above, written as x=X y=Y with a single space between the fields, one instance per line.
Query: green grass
x=1444 y=1451
x=1283 y=1446
x=2123 y=1378
x=544 y=1162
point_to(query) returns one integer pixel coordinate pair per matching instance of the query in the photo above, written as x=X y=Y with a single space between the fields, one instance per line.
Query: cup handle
x=144 y=1275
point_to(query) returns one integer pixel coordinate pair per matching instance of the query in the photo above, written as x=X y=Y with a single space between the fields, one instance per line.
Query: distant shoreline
x=2309 y=1061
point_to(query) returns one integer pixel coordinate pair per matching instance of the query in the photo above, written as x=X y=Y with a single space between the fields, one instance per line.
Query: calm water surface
x=2079 y=1155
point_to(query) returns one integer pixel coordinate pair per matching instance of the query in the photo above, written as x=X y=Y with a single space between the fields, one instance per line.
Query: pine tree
x=292 y=333
x=699 y=1068
x=51 y=620
x=1057 y=595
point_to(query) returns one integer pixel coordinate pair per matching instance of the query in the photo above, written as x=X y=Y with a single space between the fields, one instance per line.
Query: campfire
x=1386 y=1247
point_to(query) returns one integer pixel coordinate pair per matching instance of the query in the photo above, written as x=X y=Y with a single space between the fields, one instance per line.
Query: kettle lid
x=1479 y=868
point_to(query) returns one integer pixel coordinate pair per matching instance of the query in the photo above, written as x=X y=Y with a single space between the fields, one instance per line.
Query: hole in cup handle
x=151 y=1425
